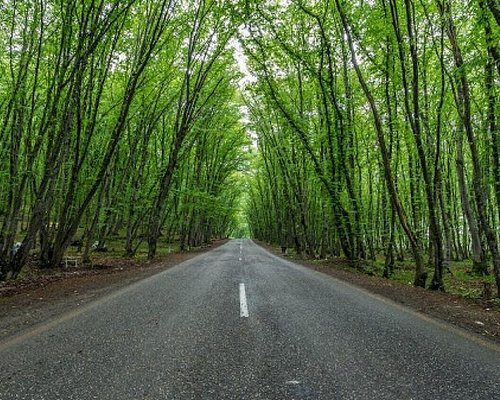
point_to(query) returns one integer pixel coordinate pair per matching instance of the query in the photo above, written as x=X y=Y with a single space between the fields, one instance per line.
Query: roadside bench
x=72 y=261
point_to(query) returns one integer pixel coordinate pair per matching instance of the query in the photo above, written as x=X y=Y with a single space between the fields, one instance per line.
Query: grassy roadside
x=112 y=259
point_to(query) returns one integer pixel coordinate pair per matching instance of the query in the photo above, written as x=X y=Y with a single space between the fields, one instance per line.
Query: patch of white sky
x=241 y=59
x=239 y=54
x=247 y=77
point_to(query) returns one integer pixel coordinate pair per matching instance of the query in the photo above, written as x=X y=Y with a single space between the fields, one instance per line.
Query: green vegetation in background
x=118 y=119
x=378 y=132
x=368 y=130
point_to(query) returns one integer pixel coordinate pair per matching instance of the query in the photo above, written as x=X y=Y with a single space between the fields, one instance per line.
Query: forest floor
x=473 y=314
x=45 y=294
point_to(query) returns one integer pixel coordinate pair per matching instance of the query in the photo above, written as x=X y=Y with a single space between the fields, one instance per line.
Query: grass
x=115 y=249
x=459 y=282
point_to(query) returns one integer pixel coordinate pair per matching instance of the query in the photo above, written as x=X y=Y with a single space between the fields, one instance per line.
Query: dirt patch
x=31 y=301
x=475 y=315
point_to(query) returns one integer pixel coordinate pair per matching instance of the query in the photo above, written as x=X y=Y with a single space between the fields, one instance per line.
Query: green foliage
x=369 y=129
x=94 y=98
x=355 y=98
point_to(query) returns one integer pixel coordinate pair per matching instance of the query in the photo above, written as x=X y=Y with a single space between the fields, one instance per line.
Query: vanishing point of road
x=241 y=323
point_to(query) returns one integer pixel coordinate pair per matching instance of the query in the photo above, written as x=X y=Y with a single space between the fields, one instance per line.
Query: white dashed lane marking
x=243 y=302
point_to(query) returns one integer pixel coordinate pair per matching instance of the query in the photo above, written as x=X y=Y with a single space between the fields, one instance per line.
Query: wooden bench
x=72 y=261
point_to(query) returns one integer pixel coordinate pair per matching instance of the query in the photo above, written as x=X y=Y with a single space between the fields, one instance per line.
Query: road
x=241 y=323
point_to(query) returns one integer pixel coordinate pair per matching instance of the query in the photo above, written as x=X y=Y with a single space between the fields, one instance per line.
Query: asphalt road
x=240 y=323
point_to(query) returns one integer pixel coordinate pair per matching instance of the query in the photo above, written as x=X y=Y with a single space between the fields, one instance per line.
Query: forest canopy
x=361 y=129
x=378 y=127
x=117 y=118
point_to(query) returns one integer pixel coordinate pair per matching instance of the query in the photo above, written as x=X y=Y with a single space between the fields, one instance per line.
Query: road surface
x=241 y=323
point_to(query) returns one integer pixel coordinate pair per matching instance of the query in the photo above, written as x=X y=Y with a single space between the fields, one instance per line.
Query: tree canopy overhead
x=378 y=130
x=118 y=118
x=365 y=128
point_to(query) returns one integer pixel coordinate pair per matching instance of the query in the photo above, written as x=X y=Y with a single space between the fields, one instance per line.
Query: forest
x=366 y=130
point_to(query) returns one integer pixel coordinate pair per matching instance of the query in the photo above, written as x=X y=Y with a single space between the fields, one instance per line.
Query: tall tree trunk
x=420 y=273
x=464 y=107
